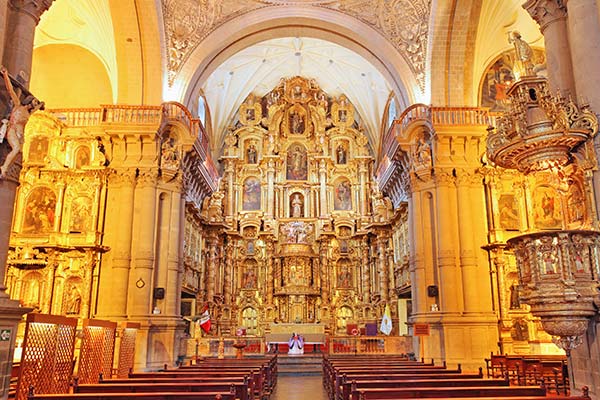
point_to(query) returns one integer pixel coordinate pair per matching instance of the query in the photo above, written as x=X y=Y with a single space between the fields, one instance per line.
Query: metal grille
x=127 y=349
x=47 y=360
x=97 y=349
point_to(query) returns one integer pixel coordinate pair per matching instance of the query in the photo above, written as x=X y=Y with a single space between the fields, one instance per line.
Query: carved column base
x=10 y=316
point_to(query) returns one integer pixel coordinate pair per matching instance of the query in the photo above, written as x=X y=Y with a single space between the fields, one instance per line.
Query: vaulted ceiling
x=258 y=69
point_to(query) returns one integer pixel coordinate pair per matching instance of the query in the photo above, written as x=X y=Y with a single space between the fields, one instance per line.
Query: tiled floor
x=299 y=388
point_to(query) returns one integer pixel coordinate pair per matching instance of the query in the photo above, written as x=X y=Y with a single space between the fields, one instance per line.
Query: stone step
x=300 y=365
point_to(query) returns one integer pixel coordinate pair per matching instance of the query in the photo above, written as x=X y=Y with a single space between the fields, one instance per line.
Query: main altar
x=298 y=235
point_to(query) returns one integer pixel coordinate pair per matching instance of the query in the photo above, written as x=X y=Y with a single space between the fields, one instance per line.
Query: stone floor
x=299 y=387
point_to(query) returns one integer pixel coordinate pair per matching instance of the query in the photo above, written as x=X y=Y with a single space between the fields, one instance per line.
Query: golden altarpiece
x=298 y=232
x=57 y=240
x=99 y=219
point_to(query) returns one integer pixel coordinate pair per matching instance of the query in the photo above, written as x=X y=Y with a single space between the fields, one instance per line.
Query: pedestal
x=10 y=316
x=10 y=310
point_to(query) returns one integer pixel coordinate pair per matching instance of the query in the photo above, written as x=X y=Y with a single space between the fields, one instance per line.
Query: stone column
x=270 y=253
x=212 y=241
x=323 y=187
x=141 y=275
x=23 y=17
x=416 y=260
x=382 y=266
x=551 y=15
x=449 y=288
x=390 y=269
x=270 y=188
x=584 y=36
x=10 y=310
x=3 y=18
x=325 y=289
x=114 y=271
x=228 y=273
x=175 y=254
x=362 y=170
x=230 y=190
x=366 y=277
x=468 y=259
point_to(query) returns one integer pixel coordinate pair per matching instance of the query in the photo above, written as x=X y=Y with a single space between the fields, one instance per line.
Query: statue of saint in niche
x=73 y=301
x=251 y=154
x=296 y=123
x=341 y=154
x=296 y=206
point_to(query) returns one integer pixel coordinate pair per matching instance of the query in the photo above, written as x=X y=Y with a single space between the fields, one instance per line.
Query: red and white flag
x=205 y=319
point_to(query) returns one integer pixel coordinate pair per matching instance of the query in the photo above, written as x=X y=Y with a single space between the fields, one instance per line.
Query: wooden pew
x=349 y=387
x=336 y=390
x=256 y=376
x=134 y=396
x=584 y=396
x=240 y=389
x=447 y=392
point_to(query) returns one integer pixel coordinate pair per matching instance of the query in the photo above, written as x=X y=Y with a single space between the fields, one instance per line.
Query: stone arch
x=452 y=44
x=294 y=20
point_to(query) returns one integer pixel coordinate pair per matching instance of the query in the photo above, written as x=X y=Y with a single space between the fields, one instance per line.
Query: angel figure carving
x=15 y=128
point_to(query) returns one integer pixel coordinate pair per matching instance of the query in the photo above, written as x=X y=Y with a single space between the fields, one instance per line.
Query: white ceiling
x=258 y=69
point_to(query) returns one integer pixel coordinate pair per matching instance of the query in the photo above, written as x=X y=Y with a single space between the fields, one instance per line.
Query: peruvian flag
x=205 y=319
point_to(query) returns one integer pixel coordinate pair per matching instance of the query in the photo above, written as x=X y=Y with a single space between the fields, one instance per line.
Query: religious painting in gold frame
x=508 y=212
x=342 y=199
x=251 y=194
x=547 y=211
x=297 y=163
x=40 y=211
x=38 y=149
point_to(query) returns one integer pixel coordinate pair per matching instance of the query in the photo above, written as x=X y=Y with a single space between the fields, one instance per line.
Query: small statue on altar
x=15 y=128
x=296 y=345
x=297 y=204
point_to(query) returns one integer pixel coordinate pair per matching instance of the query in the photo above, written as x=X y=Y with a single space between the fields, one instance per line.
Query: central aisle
x=299 y=387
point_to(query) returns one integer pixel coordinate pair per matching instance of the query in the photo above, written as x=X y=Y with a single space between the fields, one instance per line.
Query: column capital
x=544 y=12
x=33 y=8
x=121 y=177
x=147 y=177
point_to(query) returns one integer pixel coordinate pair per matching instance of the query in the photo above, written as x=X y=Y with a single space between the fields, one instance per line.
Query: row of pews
x=551 y=370
x=209 y=379
x=395 y=377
